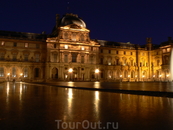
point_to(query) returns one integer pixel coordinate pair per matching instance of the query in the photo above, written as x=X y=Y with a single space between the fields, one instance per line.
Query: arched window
x=1 y=72
x=37 y=71
x=125 y=74
x=132 y=74
x=25 y=74
x=13 y=72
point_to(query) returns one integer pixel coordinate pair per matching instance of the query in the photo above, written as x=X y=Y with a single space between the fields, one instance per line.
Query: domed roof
x=72 y=19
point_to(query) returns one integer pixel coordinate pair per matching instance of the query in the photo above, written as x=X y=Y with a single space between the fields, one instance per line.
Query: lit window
x=82 y=48
x=13 y=72
x=1 y=72
x=2 y=43
x=25 y=72
x=109 y=63
x=66 y=46
x=26 y=44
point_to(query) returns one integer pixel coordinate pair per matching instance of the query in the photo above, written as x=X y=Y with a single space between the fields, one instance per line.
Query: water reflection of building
x=68 y=53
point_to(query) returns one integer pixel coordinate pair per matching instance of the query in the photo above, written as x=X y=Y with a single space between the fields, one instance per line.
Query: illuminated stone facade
x=68 y=53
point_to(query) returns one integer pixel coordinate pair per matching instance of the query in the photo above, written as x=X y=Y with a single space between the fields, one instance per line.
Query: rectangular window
x=54 y=45
x=131 y=53
x=117 y=52
x=37 y=57
x=25 y=57
x=74 y=57
x=36 y=72
x=55 y=57
x=13 y=72
x=14 y=57
x=91 y=48
x=37 y=46
x=101 y=60
x=2 y=56
x=117 y=61
x=26 y=44
x=66 y=58
x=109 y=51
x=124 y=53
x=101 y=51
x=82 y=59
x=15 y=44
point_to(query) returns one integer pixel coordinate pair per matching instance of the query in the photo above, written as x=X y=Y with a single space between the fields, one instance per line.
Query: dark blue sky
x=112 y=20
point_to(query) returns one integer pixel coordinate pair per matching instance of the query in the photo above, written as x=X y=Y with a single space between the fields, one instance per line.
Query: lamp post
x=97 y=73
x=167 y=77
x=8 y=76
x=21 y=76
x=129 y=78
x=143 y=77
x=153 y=77
x=120 y=78
x=136 y=77
x=70 y=71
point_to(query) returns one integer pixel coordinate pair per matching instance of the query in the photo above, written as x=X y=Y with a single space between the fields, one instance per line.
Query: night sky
x=112 y=20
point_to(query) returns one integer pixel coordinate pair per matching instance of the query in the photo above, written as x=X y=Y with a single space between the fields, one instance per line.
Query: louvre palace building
x=68 y=54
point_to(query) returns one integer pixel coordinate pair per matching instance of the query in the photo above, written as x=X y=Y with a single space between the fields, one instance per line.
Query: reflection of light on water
x=70 y=93
x=7 y=92
x=96 y=84
x=70 y=98
x=70 y=83
x=20 y=91
x=96 y=95
x=7 y=89
x=96 y=102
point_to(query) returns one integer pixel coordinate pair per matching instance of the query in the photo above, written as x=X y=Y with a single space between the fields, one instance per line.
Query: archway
x=54 y=73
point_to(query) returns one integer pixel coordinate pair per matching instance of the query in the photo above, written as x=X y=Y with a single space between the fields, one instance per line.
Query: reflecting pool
x=27 y=106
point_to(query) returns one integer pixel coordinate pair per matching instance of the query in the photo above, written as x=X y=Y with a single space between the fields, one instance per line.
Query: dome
x=72 y=19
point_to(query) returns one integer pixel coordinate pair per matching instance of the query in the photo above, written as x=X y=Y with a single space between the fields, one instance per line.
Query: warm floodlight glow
x=66 y=46
x=70 y=70
x=82 y=48
x=96 y=70
x=153 y=75
x=160 y=75
x=167 y=75
x=128 y=75
x=8 y=73
x=143 y=75
x=21 y=74
x=120 y=75
x=136 y=76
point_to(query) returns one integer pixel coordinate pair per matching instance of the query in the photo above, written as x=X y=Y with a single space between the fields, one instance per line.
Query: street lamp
x=153 y=77
x=136 y=77
x=8 y=76
x=21 y=74
x=167 y=77
x=70 y=71
x=143 y=77
x=120 y=78
x=97 y=73
x=129 y=78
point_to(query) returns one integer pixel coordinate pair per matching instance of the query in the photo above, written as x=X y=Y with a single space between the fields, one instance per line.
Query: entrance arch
x=54 y=73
